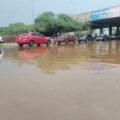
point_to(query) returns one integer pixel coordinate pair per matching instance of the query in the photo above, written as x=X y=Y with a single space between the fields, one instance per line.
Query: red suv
x=32 y=38
x=65 y=38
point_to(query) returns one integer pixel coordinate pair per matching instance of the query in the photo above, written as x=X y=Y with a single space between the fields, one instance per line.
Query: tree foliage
x=67 y=23
x=16 y=28
x=47 y=23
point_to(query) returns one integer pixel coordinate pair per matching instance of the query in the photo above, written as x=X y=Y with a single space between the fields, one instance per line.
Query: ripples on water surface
x=86 y=56
x=60 y=82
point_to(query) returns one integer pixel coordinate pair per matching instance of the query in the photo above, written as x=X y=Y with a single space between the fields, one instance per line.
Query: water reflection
x=28 y=91
x=94 y=56
x=29 y=54
x=1 y=53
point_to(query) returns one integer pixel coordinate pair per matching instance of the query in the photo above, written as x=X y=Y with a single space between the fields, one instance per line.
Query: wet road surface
x=67 y=82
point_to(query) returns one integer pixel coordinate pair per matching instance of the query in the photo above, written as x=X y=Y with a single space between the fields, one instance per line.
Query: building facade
x=102 y=21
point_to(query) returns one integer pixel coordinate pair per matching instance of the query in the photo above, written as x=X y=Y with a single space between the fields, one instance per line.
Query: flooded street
x=67 y=82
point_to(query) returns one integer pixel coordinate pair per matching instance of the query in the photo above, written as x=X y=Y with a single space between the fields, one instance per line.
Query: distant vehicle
x=1 y=39
x=86 y=37
x=32 y=38
x=103 y=37
x=65 y=38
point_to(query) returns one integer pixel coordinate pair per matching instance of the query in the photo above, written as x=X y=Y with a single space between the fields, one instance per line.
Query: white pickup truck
x=1 y=40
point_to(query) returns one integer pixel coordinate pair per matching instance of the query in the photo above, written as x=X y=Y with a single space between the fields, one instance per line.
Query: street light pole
x=33 y=16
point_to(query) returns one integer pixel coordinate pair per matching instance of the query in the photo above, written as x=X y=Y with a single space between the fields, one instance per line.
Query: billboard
x=105 y=13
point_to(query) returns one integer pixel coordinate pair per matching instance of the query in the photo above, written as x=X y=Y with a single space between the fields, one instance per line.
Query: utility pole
x=33 y=15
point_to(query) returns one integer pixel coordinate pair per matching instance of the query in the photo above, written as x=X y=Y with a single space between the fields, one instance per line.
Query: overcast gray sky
x=12 y=11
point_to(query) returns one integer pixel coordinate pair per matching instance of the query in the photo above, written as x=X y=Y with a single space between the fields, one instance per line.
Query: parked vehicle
x=32 y=38
x=1 y=39
x=102 y=37
x=85 y=38
x=65 y=38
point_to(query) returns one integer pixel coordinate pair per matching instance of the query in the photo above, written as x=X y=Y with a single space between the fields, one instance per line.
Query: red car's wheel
x=48 y=43
x=31 y=43
x=20 y=45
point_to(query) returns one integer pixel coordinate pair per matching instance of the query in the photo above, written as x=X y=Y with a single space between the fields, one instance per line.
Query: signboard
x=105 y=13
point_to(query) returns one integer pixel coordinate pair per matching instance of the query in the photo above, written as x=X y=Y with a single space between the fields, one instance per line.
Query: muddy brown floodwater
x=67 y=82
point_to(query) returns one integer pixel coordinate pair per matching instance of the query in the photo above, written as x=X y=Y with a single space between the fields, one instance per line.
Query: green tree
x=4 y=30
x=49 y=23
x=85 y=25
x=68 y=24
x=16 y=28
x=19 y=28
x=45 y=23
